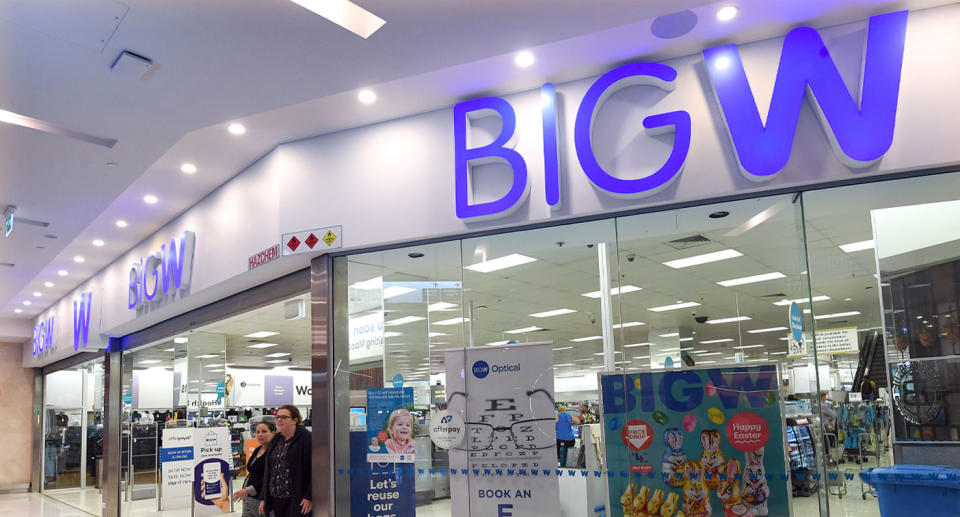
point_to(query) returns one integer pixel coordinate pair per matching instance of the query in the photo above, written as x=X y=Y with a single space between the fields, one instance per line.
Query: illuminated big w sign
x=165 y=271
x=859 y=129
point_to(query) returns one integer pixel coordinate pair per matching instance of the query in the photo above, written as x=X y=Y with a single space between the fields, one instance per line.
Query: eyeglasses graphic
x=530 y=434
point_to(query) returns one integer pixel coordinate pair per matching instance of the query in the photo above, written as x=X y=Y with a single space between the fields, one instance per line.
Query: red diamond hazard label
x=293 y=243
x=311 y=241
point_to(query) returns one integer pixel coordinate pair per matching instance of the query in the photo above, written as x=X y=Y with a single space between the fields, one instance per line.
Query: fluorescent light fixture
x=672 y=334
x=396 y=290
x=497 y=264
x=62 y=272
x=748 y=346
x=601 y=353
x=213 y=365
x=629 y=324
x=522 y=331
x=435 y=334
x=778 y=353
x=555 y=312
x=367 y=96
x=682 y=305
x=706 y=362
x=857 y=246
x=588 y=338
x=634 y=345
x=706 y=354
x=121 y=223
x=674 y=349
x=728 y=320
x=216 y=370
x=524 y=59
x=392 y=334
x=406 y=319
x=149 y=361
x=497 y=343
x=451 y=321
x=752 y=279
x=640 y=358
x=346 y=14
x=188 y=168
x=169 y=350
x=712 y=341
x=562 y=348
x=150 y=199
x=236 y=129
x=180 y=340
x=440 y=306
x=783 y=303
x=98 y=243
x=207 y=356
x=615 y=291
x=278 y=354
x=703 y=259
x=686 y=339
x=366 y=285
x=771 y=329
x=262 y=345
x=727 y=13
x=836 y=315
x=260 y=334
x=277 y=361
x=79 y=260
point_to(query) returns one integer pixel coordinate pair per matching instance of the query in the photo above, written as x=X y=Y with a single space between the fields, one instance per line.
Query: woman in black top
x=286 y=478
x=256 y=463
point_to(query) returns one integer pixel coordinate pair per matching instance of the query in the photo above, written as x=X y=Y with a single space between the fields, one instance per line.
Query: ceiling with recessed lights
x=221 y=93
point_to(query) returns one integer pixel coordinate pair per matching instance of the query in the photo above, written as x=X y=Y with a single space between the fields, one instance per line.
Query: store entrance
x=73 y=433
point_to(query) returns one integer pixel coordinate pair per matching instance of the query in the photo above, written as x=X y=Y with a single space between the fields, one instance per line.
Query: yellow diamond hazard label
x=329 y=238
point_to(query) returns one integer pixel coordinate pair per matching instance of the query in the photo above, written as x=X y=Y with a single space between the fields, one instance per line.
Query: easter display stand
x=697 y=442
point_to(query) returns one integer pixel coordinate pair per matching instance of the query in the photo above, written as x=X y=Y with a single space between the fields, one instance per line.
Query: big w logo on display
x=860 y=129
x=164 y=272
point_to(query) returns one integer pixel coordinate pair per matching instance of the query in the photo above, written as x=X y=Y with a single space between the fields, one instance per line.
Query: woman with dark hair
x=250 y=492
x=286 y=478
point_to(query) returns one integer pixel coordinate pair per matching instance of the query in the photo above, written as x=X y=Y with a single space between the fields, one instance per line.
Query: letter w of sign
x=81 y=320
x=859 y=131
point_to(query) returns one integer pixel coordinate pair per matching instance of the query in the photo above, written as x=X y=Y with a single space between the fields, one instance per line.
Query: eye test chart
x=507 y=459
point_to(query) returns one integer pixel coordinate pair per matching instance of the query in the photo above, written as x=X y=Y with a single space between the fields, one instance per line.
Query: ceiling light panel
x=836 y=315
x=451 y=321
x=497 y=264
x=752 y=279
x=406 y=319
x=728 y=320
x=703 y=259
x=440 y=306
x=346 y=14
x=278 y=354
x=262 y=345
x=682 y=305
x=555 y=312
x=857 y=246
x=629 y=324
x=615 y=291
x=523 y=330
x=783 y=303
x=712 y=341
x=771 y=329
x=396 y=290
x=588 y=338
x=260 y=334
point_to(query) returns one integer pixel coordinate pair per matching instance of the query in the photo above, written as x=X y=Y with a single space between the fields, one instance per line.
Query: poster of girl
x=400 y=428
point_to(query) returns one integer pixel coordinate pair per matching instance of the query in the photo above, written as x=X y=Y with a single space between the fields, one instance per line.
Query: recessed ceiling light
x=704 y=353
x=435 y=334
x=588 y=338
x=752 y=279
x=367 y=96
x=783 y=303
x=262 y=345
x=79 y=260
x=404 y=320
x=37 y=294
x=729 y=320
x=497 y=264
x=771 y=329
x=524 y=59
x=346 y=14
x=703 y=259
x=149 y=361
x=555 y=312
x=451 y=321
x=392 y=334
x=278 y=354
x=188 y=168
x=562 y=348
x=207 y=356
x=48 y=284
x=847 y=299
x=18 y=311
x=396 y=290
x=628 y=324
x=857 y=246
x=236 y=129
x=260 y=334
x=727 y=13
x=27 y=303
x=712 y=341
x=277 y=361
x=150 y=199
x=684 y=339
x=523 y=330
x=440 y=306
x=98 y=243
x=680 y=305
x=836 y=315
x=121 y=223
x=634 y=345
x=614 y=291
x=748 y=346
x=62 y=272
x=671 y=334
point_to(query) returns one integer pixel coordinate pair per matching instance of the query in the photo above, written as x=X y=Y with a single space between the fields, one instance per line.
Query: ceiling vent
x=130 y=65
x=688 y=242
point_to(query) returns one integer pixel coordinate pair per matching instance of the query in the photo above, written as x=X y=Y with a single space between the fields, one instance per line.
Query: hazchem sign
x=860 y=130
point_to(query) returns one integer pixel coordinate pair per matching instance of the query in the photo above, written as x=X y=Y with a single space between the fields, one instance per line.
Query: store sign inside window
x=859 y=130
x=162 y=274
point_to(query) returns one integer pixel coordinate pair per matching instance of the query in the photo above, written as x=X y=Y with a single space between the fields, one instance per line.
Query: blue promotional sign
x=390 y=425
x=398 y=381
x=128 y=398
x=168 y=454
x=378 y=489
x=221 y=390
x=796 y=322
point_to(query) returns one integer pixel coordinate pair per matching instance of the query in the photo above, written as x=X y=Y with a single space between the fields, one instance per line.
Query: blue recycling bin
x=903 y=489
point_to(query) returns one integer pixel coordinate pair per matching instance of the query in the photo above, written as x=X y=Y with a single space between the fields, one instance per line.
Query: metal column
x=321 y=297
x=112 y=409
